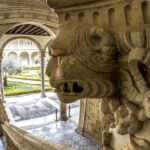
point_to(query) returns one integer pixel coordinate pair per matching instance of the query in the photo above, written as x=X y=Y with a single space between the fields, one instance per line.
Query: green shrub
x=19 y=89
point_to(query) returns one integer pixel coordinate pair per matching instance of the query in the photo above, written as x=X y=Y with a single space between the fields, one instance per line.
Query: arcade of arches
x=99 y=54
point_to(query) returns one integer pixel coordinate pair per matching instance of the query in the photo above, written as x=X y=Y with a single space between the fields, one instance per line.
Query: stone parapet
x=18 y=139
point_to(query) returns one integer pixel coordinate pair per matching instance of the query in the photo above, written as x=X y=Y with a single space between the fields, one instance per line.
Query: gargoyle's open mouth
x=70 y=87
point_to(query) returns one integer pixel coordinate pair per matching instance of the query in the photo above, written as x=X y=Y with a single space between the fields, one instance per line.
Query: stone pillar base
x=63 y=118
x=43 y=95
x=79 y=130
x=63 y=112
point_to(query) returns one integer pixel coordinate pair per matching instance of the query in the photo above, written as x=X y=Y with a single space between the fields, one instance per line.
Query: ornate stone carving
x=91 y=62
x=84 y=64
x=80 y=49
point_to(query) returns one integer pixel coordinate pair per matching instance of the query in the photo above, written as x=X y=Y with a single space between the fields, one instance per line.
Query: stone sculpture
x=80 y=49
x=90 y=61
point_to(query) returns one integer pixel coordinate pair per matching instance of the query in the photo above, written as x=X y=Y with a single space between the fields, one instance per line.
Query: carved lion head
x=83 y=63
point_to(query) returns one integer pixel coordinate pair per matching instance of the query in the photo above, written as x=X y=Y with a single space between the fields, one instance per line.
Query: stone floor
x=2 y=145
x=23 y=109
x=64 y=133
x=46 y=127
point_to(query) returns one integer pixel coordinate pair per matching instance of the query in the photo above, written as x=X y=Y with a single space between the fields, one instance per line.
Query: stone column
x=63 y=112
x=30 y=59
x=42 y=75
x=1 y=82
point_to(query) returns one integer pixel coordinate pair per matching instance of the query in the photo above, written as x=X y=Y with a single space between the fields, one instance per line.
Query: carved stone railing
x=18 y=139
x=25 y=1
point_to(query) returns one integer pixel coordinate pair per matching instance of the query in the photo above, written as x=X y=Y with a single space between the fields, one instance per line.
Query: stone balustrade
x=18 y=139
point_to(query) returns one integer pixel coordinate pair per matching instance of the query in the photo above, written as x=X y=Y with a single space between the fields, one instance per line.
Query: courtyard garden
x=19 y=80
x=15 y=88
x=32 y=73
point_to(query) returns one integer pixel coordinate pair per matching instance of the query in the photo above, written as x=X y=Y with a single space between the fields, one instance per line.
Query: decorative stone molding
x=66 y=3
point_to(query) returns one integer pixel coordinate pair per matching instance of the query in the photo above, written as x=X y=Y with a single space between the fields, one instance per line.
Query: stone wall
x=94 y=118
x=92 y=127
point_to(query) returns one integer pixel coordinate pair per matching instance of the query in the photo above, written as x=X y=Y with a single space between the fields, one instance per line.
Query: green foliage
x=32 y=68
x=10 y=66
x=37 y=60
x=19 y=88
x=26 y=74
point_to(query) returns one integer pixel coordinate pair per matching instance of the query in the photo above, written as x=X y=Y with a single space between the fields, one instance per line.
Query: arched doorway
x=35 y=58
x=36 y=37
x=13 y=56
x=24 y=59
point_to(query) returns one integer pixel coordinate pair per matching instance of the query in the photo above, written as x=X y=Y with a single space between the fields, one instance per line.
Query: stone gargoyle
x=83 y=63
x=88 y=61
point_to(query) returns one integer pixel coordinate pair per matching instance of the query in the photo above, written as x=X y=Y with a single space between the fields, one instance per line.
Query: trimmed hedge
x=14 y=88
x=32 y=68
x=27 y=92
x=26 y=78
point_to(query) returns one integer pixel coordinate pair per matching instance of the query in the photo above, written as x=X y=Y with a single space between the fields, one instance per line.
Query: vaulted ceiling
x=28 y=29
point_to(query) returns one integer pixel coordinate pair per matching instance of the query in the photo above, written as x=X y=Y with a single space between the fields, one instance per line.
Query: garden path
x=27 y=81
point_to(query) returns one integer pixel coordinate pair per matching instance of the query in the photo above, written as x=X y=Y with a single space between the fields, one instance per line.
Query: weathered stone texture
x=95 y=120
x=18 y=139
x=117 y=71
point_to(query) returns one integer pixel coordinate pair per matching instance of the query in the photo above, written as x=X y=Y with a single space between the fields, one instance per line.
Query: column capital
x=42 y=53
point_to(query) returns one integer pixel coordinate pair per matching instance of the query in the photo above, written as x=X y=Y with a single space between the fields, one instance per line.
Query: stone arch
x=33 y=56
x=128 y=15
x=146 y=12
x=33 y=23
x=95 y=17
x=24 y=59
x=20 y=37
x=4 y=55
x=48 y=43
x=81 y=16
x=13 y=55
x=111 y=17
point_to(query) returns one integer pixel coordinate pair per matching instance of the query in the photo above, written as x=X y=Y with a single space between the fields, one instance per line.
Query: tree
x=37 y=60
x=10 y=66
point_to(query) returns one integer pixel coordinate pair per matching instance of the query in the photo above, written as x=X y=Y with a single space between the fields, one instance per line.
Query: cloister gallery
x=93 y=72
